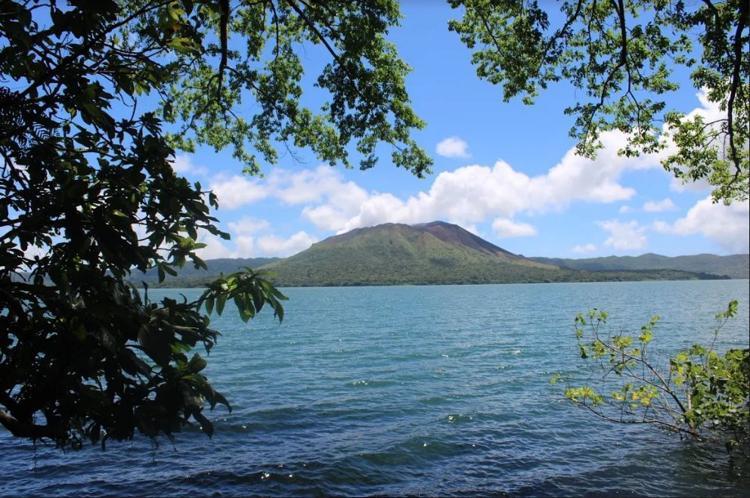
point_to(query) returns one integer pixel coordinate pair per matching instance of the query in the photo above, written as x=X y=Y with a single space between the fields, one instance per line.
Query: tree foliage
x=95 y=96
x=699 y=393
x=622 y=55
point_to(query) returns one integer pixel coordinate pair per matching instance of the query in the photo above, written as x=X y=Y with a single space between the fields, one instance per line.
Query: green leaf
x=221 y=300
x=196 y=364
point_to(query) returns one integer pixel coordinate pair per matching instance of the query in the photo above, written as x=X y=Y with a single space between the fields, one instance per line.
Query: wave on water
x=425 y=400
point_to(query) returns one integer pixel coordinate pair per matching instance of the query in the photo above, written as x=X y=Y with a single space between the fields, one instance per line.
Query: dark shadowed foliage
x=88 y=196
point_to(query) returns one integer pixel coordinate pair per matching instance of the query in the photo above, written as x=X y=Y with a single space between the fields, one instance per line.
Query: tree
x=88 y=194
x=622 y=55
x=698 y=393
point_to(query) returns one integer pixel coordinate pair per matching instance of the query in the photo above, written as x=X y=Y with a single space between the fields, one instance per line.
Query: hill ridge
x=445 y=253
x=731 y=265
x=430 y=253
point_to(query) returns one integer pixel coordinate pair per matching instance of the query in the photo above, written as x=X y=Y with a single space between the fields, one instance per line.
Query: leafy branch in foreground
x=699 y=393
x=89 y=196
x=249 y=291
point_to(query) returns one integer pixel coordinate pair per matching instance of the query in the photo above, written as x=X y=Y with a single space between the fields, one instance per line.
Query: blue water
x=413 y=390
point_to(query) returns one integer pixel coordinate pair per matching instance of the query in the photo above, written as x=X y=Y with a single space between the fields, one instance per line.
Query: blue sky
x=503 y=170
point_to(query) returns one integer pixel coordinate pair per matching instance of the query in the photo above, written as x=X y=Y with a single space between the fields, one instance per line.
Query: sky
x=505 y=171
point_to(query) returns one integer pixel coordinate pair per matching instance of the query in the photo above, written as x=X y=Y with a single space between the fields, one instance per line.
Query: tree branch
x=223 y=22
x=29 y=430
x=734 y=86
x=559 y=34
x=314 y=29
x=84 y=47
x=661 y=423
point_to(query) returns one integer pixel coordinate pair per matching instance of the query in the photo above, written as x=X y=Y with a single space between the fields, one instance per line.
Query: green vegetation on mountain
x=733 y=266
x=443 y=253
x=432 y=253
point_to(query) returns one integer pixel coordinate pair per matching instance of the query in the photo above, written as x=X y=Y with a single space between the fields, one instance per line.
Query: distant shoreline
x=428 y=284
x=440 y=253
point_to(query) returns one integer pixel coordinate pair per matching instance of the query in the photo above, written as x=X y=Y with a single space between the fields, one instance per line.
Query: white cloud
x=244 y=246
x=314 y=185
x=241 y=245
x=506 y=228
x=472 y=194
x=330 y=200
x=453 y=147
x=468 y=195
x=584 y=248
x=679 y=185
x=247 y=246
x=624 y=236
x=272 y=245
x=659 y=206
x=215 y=247
x=237 y=191
x=247 y=225
x=183 y=163
x=473 y=229
x=326 y=216
x=726 y=225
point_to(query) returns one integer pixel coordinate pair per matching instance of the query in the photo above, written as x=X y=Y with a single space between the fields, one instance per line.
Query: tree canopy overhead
x=88 y=194
x=231 y=54
x=622 y=55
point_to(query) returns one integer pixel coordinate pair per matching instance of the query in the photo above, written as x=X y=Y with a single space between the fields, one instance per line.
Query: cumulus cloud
x=313 y=185
x=473 y=193
x=244 y=246
x=455 y=147
x=183 y=163
x=506 y=228
x=248 y=225
x=272 y=245
x=584 y=248
x=330 y=200
x=659 y=206
x=468 y=195
x=248 y=246
x=215 y=247
x=728 y=226
x=237 y=191
x=680 y=185
x=624 y=235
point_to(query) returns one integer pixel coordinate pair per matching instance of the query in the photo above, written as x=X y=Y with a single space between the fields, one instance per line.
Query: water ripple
x=388 y=391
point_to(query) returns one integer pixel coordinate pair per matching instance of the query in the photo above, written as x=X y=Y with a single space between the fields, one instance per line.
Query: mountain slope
x=431 y=253
x=734 y=266
x=189 y=276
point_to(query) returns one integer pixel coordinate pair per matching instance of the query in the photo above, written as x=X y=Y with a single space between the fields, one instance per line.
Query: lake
x=435 y=390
